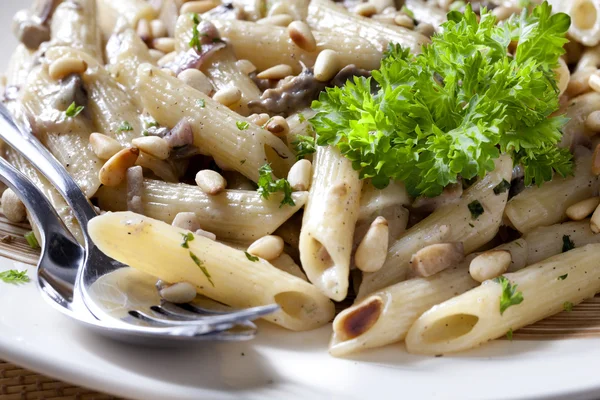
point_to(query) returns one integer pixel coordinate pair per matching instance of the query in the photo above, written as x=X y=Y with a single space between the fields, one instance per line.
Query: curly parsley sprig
x=267 y=185
x=454 y=108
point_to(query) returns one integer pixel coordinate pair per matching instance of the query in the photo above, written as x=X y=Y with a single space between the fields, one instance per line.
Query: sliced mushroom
x=181 y=135
x=71 y=91
x=135 y=189
x=436 y=257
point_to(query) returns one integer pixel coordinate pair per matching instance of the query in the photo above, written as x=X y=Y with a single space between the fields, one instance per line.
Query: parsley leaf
x=476 y=209
x=303 y=145
x=251 y=257
x=187 y=237
x=125 y=127
x=453 y=109
x=31 y=240
x=407 y=11
x=73 y=110
x=509 y=296
x=267 y=185
x=200 y=103
x=568 y=306
x=301 y=117
x=14 y=276
x=509 y=334
x=567 y=243
x=200 y=265
x=195 y=40
x=563 y=277
x=502 y=187
x=242 y=125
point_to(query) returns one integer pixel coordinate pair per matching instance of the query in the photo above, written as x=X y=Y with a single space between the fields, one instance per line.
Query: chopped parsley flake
x=475 y=208
x=509 y=334
x=195 y=40
x=502 y=187
x=242 y=125
x=509 y=296
x=301 y=117
x=408 y=12
x=563 y=277
x=201 y=103
x=267 y=185
x=125 y=127
x=13 y=276
x=568 y=306
x=567 y=243
x=31 y=240
x=251 y=257
x=73 y=110
x=303 y=145
x=187 y=237
x=242 y=161
x=200 y=265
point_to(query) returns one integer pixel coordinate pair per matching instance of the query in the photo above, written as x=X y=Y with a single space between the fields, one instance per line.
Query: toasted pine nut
x=327 y=65
x=103 y=146
x=12 y=207
x=372 y=249
x=153 y=145
x=382 y=5
x=592 y=121
x=164 y=44
x=582 y=209
x=404 y=21
x=580 y=82
x=277 y=72
x=156 y=55
x=245 y=66
x=299 y=175
x=143 y=30
x=596 y=161
x=268 y=247
x=490 y=264
x=259 y=119
x=302 y=35
x=279 y=8
x=167 y=58
x=206 y=234
x=563 y=75
x=365 y=9
x=210 y=182
x=228 y=96
x=181 y=292
x=445 y=4
x=158 y=28
x=66 y=66
x=198 y=7
x=276 y=20
x=114 y=170
x=197 y=80
x=186 y=220
x=425 y=29
x=278 y=126
x=595 y=221
x=436 y=257
x=594 y=82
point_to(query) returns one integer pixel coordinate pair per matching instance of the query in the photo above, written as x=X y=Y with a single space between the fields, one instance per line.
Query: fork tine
x=180 y=313
x=208 y=325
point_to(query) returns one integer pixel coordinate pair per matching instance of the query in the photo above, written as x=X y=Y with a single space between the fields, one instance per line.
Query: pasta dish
x=417 y=171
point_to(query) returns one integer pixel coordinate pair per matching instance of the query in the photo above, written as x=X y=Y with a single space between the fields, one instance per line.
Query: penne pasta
x=216 y=270
x=330 y=215
x=74 y=25
x=239 y=215
x=427 y=13
x=131 y=11
x=452 y=222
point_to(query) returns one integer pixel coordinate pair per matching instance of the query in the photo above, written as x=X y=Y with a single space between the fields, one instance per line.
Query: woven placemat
x=17 y=383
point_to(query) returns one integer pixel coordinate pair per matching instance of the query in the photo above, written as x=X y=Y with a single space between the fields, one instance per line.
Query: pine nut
x=66 y=66
x=299 y=175
x=592 y=121
x=153 y=145
x=245 y=66
x=164 y=44
x=114 y=170
x=365 y=9
x=490 y=264
x=210 y=182
x=372 y=249
x=104 y=147
x=186 y=220
x=276 y=20
x=206 y=234
x=12 y=207
x=277 y=72
x=158 y=28
x=596 y=161
x=181 y=292
x=279 y=8
x=259 y=119
x=404 y=21
x=197 y=80
x=156 y=55
x=436 y=257
x=594 y=82
x=302 y=36
x=278 y=126
x=580 y=82
x=563 y=76
x=425 y=29
x=143 y=30
x=228 y=96
x=168 y=71
x=595 y=220
x=326 y=65
x=582 y=209
x=198 y=7
x=267 y=247
x=381 y=5
x=167 y=58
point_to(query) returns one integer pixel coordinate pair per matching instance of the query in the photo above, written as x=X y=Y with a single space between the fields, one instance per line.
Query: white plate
x=279 y=364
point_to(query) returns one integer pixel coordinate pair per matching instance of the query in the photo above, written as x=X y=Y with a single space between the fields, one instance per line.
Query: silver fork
x=68 y=281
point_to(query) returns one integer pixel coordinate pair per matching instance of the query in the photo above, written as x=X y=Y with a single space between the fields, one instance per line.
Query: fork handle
x=31 y=148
